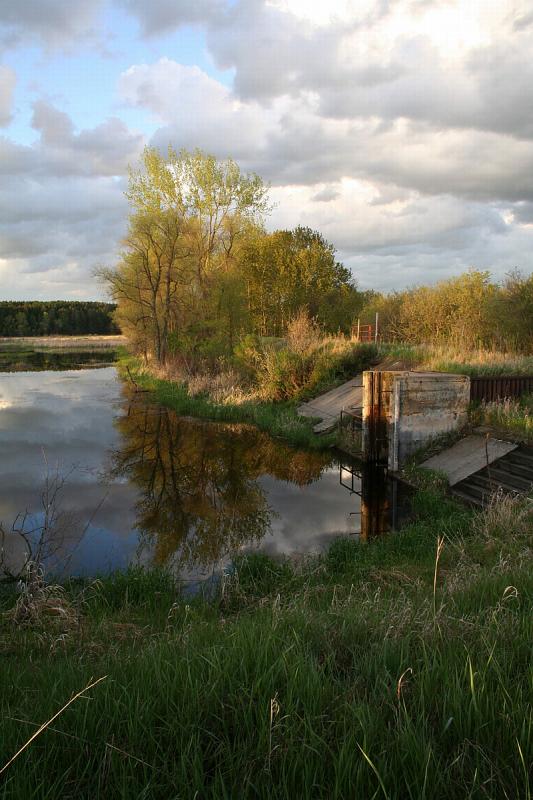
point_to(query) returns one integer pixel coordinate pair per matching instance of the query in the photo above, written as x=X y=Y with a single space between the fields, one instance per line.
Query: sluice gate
x=402 y=411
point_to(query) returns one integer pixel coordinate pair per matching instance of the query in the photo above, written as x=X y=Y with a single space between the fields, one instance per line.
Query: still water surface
x=145 y=486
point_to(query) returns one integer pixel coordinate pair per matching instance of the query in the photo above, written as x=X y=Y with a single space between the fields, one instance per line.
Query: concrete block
x=408 y=409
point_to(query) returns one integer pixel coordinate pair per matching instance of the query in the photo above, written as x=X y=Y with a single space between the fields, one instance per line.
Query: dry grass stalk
x=49 y=722
x=402 y=680
x=47 y=604
x=304 y=333
x=440 y=546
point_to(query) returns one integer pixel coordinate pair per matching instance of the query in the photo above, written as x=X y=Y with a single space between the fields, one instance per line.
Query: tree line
x=468 y=311
x=199 y=271
x=58 y=317
x=199 y=274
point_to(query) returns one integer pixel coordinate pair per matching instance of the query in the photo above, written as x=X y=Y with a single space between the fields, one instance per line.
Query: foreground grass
x=373 y=671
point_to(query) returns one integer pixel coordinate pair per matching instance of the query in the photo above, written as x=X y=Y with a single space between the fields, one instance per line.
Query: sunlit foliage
x=198 y=271
x=468 y=311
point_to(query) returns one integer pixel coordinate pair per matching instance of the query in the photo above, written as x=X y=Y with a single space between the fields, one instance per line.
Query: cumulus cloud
x=7 y=85
x=51 y=22
x=386 y=62
x=395 y=188
x=62 y=209
x=402 y=129
x=197 y=111
x=161 y=16
x=291 y=142
x=106 y=149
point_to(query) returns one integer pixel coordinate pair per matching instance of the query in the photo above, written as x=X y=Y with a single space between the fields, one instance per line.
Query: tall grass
x=372 y=671
x=457 y=360
x=512 y=416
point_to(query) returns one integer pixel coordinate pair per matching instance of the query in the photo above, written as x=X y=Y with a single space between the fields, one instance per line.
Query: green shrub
x=283 y=374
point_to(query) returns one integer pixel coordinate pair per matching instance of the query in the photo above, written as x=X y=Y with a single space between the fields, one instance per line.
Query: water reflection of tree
x=200 y=495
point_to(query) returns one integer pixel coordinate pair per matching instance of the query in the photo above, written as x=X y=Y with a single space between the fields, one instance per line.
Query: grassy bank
x=456 y=360
x=512 y=417
x=220 y=396
x=401 y=669
x=277 y=418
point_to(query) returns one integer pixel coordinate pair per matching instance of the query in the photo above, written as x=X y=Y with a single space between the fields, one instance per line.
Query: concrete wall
x=413 y=408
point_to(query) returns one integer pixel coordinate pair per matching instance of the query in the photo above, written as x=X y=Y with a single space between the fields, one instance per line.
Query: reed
x=513 y=416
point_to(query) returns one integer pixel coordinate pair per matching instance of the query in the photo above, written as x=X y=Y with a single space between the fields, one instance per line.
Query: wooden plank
x=327 y=407
x=468 y=456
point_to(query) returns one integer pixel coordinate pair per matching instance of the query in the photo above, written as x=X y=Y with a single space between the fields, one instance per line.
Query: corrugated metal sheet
x=500 y=386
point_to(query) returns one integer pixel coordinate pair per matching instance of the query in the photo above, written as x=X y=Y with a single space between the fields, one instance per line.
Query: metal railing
x=351 y=424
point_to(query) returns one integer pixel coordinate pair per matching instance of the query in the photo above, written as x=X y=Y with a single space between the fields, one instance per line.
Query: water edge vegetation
x=397 y=669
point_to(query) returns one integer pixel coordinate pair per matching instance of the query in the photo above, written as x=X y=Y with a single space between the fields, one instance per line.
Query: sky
x=401 y=129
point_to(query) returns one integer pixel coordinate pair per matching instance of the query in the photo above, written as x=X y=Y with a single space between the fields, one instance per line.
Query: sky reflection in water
x=159 y=488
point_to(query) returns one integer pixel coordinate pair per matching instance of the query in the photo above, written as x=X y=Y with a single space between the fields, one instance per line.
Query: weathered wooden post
x=375 y=504
x=375 y=436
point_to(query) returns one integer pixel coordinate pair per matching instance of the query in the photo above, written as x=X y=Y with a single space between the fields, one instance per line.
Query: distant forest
x=57 y=317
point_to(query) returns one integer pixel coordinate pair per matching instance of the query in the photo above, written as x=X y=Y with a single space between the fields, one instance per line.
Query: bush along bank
x=398 y=669
x=278 y=419
x=250 y=392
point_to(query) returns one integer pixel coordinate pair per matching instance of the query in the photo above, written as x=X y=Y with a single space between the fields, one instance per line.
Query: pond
x=116 y=480
x=19 y=360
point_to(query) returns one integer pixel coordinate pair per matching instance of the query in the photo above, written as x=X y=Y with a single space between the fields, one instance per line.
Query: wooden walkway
x=467 y=456
x=327 y=407
x=511 y=474
x=477 y=468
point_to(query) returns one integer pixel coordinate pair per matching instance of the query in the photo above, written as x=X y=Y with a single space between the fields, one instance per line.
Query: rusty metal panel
x=491 y=388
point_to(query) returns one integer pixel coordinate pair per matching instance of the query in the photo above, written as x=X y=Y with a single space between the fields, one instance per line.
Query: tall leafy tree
x=188 y=211
x=288 y=270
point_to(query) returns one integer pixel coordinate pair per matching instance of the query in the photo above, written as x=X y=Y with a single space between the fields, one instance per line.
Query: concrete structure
x=467 y=456
x=402 y=411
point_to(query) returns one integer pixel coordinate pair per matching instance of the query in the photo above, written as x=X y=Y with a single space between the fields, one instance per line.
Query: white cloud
x=7 y=85
x=50 y=22
x=402 y=129
x=391 y=188
x=198 y=111
x=159 y=16
x=405 y=237
x=62 y=209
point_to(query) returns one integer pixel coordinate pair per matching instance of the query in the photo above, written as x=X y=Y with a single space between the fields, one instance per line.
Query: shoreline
x=279 y=419
x=292 y=675
x=62 y=343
